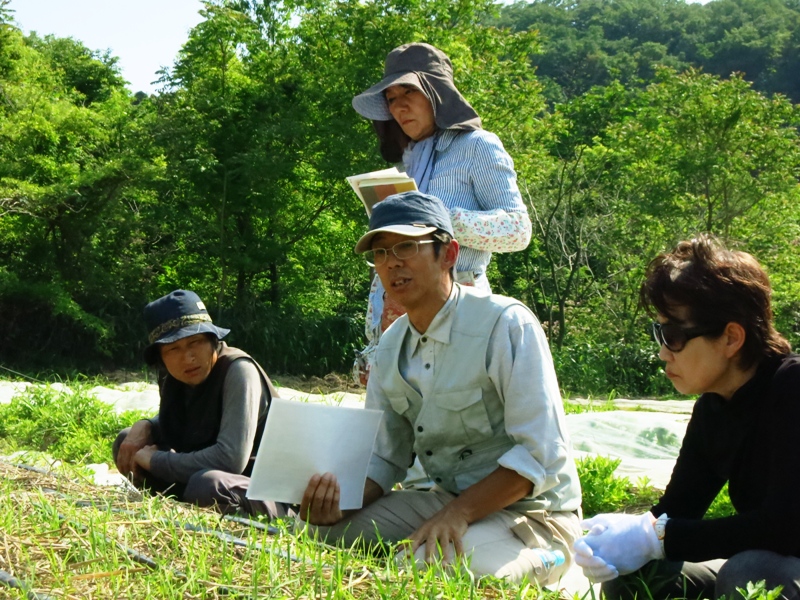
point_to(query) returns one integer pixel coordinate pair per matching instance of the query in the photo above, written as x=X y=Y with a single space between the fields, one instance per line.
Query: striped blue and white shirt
x=474 y=177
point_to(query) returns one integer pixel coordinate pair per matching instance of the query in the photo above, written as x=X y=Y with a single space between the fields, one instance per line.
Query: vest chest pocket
x=467 y=409
x=404 y=407
x=400 y=404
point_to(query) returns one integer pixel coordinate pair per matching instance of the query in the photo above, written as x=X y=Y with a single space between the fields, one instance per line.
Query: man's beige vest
x=462 y=423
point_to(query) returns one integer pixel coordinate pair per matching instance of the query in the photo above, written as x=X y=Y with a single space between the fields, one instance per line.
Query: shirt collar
x=439 y=329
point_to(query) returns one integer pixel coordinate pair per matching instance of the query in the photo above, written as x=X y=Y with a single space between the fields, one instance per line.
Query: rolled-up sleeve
x=520 y=364
x=394 y=444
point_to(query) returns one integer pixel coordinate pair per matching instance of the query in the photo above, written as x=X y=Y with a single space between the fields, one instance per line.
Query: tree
x=704 y=151
x=630 y=173
x=68 y=198
x=89 y=76
x=594 y=42
x=261 y=167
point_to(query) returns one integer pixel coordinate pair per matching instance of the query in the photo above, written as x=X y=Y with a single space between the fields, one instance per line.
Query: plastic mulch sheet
x=646 y=442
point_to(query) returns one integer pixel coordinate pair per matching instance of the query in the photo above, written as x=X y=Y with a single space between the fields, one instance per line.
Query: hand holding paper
x=320 y=505
x=302 y=440
x=373 y=187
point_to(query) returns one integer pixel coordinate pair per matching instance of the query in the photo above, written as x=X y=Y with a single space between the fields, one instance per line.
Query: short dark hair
x=717 y=286
x=441 y=239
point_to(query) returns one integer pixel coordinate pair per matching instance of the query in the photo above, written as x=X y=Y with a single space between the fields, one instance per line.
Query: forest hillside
x=633 y=124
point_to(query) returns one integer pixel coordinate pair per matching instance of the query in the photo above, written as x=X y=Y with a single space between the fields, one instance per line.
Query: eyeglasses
x=674 y=337
x=402 y=250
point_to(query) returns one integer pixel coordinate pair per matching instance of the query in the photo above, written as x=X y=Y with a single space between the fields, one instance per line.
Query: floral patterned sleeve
x=491 y=231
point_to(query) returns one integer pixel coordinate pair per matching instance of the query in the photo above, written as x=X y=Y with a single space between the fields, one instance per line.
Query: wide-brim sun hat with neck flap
x=410 y=213
x=428 y=69
x=173 y=317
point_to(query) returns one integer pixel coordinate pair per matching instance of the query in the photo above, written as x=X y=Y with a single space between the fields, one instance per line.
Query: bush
x=595 y=369
x=294 y=343
x=69 y=425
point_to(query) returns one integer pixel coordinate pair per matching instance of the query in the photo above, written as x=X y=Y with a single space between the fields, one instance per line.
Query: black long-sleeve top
x=752 y=441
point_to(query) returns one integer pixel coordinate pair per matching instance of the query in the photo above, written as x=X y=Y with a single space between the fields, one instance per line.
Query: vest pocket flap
x=459 y=400
x=400 y=404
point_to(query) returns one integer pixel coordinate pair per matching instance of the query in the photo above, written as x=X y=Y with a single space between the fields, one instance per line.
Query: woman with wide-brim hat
x=715 y=335
x=422 y=119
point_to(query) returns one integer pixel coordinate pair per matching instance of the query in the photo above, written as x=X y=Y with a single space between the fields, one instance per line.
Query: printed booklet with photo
x=373 y=187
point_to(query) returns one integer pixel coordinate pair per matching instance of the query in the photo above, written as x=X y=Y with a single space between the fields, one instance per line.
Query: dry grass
x=74 y=540
x=65 y=538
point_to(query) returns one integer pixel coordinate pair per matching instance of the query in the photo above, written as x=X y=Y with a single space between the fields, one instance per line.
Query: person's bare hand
x=320 y=503
x=144 y=455
x=446 y=527
x=138 y=437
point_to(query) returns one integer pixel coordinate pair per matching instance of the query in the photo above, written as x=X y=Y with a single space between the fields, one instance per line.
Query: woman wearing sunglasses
x=716 y=338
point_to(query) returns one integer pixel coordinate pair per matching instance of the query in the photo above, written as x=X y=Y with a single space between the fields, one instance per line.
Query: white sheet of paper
x=302 y=438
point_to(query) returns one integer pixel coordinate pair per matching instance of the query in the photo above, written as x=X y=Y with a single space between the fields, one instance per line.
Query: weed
x=67 y=423
x=721 y=507
x=758 y=591
x=576 y=407
x=602 y=490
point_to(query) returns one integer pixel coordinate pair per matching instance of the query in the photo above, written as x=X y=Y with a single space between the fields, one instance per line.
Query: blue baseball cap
x=410 y=213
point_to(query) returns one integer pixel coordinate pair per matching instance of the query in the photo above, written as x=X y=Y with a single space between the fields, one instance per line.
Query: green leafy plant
x=721 y=506
x=758 y=591
x=602 y=491
x=70 y=424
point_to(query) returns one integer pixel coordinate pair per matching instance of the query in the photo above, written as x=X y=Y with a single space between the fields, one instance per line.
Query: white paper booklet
x=302 y=438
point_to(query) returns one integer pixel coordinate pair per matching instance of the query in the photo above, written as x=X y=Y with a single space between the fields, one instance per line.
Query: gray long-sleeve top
x=241 y=397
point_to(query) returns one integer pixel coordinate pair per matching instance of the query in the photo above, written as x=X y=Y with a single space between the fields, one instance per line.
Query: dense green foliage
x=588 y=43
x=601 y=491
x=68 y=424
x=230 y=180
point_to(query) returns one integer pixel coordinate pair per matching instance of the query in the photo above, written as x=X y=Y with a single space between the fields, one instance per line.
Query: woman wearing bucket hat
x=422 y=120
x=214 y=402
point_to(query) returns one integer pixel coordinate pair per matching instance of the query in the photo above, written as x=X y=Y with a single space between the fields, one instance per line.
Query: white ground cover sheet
x=646 y=441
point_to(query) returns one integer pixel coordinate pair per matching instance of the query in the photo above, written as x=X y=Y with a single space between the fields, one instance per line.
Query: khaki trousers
x=503 y=544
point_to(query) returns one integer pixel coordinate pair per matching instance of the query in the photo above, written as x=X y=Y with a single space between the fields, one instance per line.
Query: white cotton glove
x=595 y=568
x=626 y=542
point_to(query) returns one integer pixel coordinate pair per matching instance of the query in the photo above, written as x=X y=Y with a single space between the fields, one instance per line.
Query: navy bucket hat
x=410 y=213
x=175 y=316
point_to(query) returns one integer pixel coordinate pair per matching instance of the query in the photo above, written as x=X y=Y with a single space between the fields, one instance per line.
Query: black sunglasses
x=675 y=337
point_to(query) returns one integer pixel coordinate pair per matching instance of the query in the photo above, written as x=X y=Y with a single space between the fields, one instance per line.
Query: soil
x=331 y=383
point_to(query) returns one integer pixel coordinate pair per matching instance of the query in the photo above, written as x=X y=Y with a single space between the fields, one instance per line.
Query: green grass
x=70 y=425
x=68 y=550
x=115 y=546
x=571 y=407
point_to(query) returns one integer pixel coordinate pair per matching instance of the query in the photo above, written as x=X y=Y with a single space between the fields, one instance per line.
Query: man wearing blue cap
x=467 y=384
x=214 y=402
